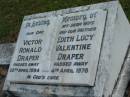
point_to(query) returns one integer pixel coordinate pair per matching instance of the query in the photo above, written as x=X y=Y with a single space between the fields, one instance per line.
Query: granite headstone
x=110 y=43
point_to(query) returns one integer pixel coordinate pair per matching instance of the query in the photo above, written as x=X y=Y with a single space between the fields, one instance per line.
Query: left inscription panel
x=36 y=37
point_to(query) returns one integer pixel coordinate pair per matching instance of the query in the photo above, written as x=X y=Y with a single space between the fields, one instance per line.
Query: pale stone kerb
x=6 y=52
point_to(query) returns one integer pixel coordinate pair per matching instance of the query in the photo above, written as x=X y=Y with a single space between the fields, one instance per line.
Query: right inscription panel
x=77 y=48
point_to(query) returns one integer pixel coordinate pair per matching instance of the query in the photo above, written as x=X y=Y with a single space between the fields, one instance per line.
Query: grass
x=13 y=11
